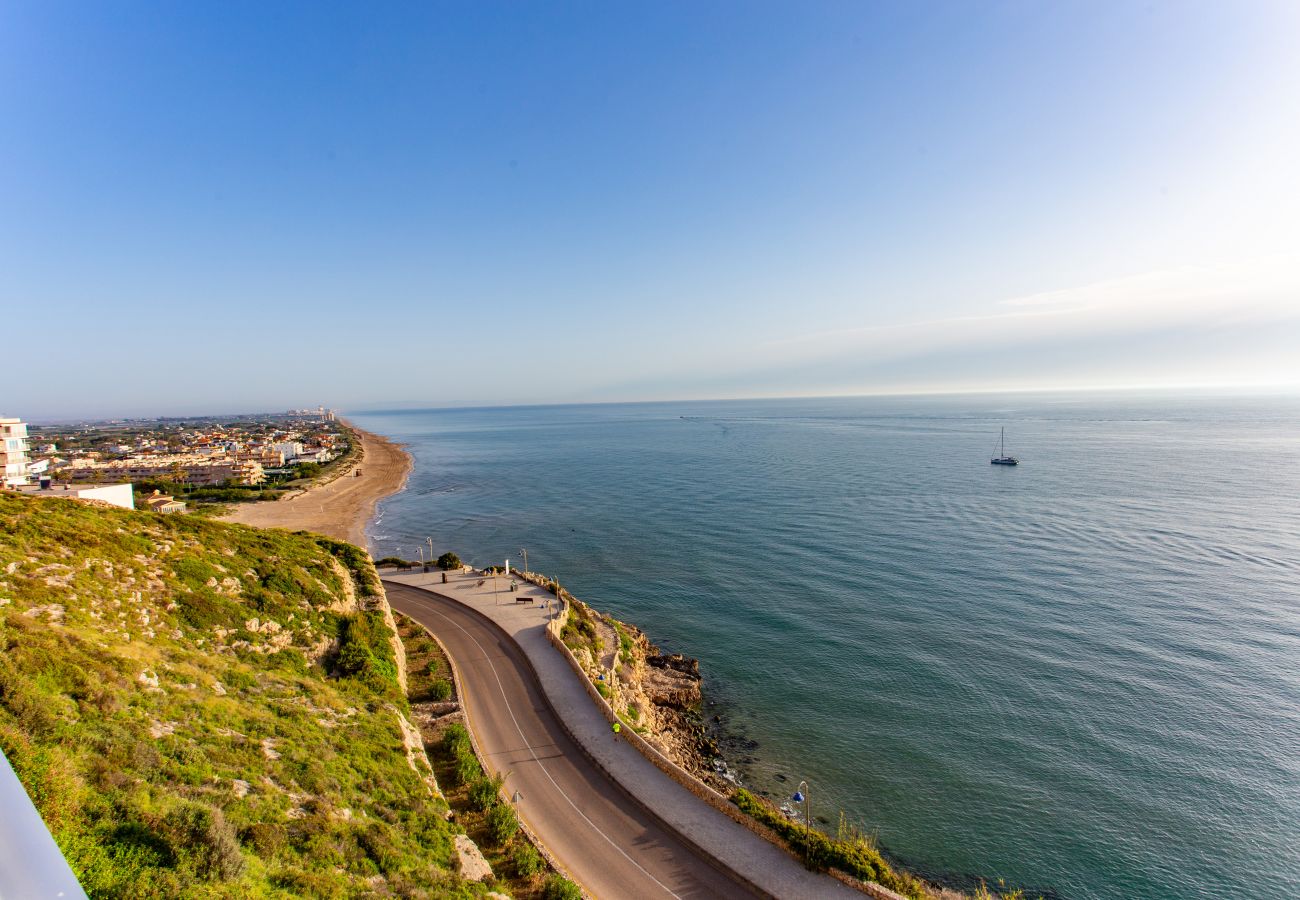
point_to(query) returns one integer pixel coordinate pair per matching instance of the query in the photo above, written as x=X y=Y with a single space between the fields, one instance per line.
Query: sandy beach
x=339 y=508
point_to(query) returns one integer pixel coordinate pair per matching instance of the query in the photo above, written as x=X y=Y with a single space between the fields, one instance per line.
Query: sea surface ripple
x=1080 y=675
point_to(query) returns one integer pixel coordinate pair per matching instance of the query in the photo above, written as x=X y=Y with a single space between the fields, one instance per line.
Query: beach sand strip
x=342 y=507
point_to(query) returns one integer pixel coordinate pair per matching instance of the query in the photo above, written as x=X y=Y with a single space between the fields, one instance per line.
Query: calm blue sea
x=1080 y=675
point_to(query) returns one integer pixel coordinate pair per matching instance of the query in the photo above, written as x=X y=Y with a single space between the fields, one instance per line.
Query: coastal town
x=590 y=660
x=169 y=464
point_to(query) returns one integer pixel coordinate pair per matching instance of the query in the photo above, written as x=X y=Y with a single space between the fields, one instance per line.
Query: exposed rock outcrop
x=658 y=694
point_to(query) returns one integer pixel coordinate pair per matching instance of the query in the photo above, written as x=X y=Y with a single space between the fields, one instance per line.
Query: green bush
x=502 y=823
x=466 y=768
x=440 y=690
x=560 y=888
x=857 y=857
x=624 y=645
x=366 y=654
x=485 y=791
x=199 y=834
x=455 y=740
x=267 y=839
x=354 y=659
x=527 y=862
x=449 y=561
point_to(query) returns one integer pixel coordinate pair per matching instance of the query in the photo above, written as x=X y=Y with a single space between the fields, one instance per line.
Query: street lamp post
x=524 y=552
x=801 y=796
x=430 y=542
x=421 y=552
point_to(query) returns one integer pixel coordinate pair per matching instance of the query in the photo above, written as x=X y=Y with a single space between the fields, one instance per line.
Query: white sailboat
x=1001 y=459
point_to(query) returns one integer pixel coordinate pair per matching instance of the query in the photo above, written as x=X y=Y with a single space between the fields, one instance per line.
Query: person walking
x=616 y=727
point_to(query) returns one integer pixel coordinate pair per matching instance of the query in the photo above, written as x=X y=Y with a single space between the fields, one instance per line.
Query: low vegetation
x=624 y=644
x=198 y=708
x=235 y=493
x=852 y=854
x=428 y=672
x=579 y=631
x=476 y=798
x=560 y=888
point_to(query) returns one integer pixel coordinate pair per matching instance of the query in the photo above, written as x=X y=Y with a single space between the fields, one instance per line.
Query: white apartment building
x=113 y=494
x=290 y=449
x=13 y=452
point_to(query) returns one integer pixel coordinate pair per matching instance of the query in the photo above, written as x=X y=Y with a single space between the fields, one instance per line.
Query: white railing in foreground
x=30 y=862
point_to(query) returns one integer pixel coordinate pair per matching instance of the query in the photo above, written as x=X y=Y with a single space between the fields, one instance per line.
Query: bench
x=523 y=599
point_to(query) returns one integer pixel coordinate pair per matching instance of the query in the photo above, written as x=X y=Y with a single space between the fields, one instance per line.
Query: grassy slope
x=176 y=746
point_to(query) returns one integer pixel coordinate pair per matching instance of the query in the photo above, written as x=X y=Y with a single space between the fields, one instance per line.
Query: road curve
x=605 y=840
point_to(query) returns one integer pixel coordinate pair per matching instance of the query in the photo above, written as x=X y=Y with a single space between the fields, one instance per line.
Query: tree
x=448 y=561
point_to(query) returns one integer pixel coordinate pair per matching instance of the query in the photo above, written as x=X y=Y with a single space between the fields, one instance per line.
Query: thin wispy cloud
x=1258 y=290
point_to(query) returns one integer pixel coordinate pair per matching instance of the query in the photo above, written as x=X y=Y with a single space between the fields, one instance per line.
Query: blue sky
x=221 y=207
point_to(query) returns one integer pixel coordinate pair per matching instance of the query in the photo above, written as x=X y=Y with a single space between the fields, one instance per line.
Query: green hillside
x=210 y=710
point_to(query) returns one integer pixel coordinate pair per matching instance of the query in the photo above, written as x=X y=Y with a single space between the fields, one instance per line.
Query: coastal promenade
x=605 y=775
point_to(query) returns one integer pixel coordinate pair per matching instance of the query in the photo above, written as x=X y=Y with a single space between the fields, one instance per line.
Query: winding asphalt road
x=605 y=840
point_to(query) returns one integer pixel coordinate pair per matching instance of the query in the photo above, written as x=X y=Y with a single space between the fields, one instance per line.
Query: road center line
x=536 y=759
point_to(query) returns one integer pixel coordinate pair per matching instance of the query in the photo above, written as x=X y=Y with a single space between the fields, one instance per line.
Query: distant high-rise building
x=13 y=451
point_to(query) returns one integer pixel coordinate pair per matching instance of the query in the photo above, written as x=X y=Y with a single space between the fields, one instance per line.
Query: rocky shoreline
x=657 y=694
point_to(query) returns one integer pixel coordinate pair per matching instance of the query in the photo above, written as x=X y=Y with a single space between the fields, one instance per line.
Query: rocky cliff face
x=655 y=693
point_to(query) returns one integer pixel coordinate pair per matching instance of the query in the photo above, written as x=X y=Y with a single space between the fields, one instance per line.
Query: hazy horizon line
x=1239 y=388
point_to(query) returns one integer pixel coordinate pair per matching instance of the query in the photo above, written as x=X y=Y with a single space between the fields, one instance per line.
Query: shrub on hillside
x=502 y=823
x=527 y=862
x=466 y=769
x=454 y=739
x=199 y=834
x=560 y=888
x=485 y=791
x=365 y=653
x=856 y=857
